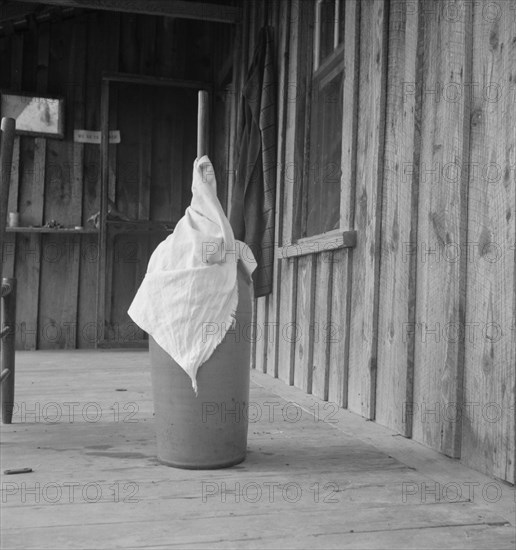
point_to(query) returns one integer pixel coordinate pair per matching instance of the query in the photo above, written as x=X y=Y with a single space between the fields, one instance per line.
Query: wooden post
x=202 y=124
x=8 y=320
x=104 y=190
x=6 y=157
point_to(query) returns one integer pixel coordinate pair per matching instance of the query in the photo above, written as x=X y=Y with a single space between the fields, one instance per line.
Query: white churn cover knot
x=189 y=295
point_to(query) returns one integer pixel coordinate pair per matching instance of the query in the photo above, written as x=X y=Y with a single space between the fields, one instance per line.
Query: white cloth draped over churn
x=189 y=295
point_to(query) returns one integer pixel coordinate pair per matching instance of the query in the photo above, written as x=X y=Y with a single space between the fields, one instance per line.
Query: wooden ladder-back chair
x=8 y=286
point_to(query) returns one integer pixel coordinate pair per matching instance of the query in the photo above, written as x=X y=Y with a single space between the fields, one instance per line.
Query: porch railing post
x=7 y=129
x=8 y=330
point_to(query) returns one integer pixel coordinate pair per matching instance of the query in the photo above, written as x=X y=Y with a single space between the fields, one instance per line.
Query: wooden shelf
x=141 y=226
x=136 y=226
x=130 y=344
x=332 y=240
x=63 y=230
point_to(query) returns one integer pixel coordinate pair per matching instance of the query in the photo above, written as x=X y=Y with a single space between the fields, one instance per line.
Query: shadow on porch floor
x=315 y=476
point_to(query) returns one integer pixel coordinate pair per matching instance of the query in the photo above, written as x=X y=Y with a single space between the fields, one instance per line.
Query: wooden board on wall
x=350 y=115
x=338 y=334
x=60 y=259
x=31 y=193
x=78 y=160
x=262 y=329
x=87 y=330
x=366 y=256
x=11 y=63
x=105 y=58
x=287 y=300
x=343 y=259
x=322 y=329
x=112 y=62
x=260 y=308
x=280 y=21
x=441 y=282
x=145 y=176
x=287 y=321
x=303 y=328
x=399 y=221
x=127 y=253
x=488 y=442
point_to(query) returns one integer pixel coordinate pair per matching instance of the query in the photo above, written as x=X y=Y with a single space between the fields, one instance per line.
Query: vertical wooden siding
x=427 y=169
x=33 y=158
x=399 y=220
x=366 y=257
x=57 y=312
x=488 y=438
x=440 y=289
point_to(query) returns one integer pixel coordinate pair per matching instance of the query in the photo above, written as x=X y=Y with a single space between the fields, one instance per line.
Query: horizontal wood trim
x=332 y=240
x=132 y=227
x=140 y=226
x=156 y=81
x=48 y=230
x=171 y=8
x=116 y=344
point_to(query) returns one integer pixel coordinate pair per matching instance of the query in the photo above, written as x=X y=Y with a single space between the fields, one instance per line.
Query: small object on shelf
x=14 y=219
x=112 y=214
x=53 y=224
x=79 y=227
x=94 y=220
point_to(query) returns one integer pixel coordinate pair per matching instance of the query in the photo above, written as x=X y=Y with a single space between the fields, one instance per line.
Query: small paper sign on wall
x=91 y=136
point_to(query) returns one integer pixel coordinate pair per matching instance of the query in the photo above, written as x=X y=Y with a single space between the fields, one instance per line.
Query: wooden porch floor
x=314 y=477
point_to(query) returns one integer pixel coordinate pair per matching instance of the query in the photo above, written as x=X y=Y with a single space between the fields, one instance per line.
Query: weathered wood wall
x=150 y=170
x=414 y=327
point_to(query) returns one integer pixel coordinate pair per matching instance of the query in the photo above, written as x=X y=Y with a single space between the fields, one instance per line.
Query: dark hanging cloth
x=254 y=193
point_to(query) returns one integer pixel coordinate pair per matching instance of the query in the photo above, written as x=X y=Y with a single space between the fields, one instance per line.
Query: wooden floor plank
x=331 y=476
x=229 y=532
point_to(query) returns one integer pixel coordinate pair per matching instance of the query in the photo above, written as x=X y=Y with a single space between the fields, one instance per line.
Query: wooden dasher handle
x=202 y=124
